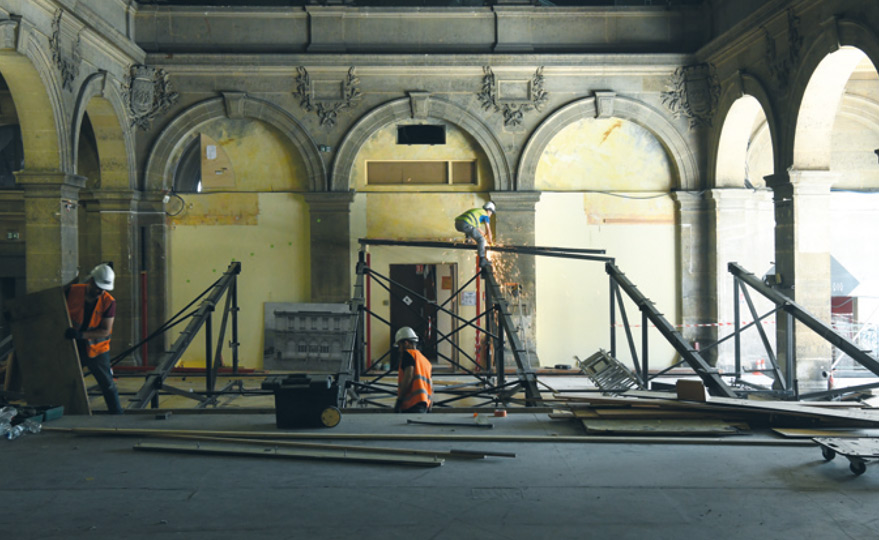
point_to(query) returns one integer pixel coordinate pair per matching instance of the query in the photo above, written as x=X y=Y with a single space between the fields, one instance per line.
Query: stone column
x=330 y=223
x=514 y=225
x=111 y=225
x=50 y=230
x=152 y=270
x=697 y=276
x=802 y=264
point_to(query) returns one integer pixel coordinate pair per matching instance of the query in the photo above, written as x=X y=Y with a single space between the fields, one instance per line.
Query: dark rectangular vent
x=421 y=134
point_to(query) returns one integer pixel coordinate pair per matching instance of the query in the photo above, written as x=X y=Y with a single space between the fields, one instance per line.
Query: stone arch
x=36 y=92
x=813 y=107
x=679 y=151
x=735 y=141
x=103 y=102
x=173 y=140
x=403 y=109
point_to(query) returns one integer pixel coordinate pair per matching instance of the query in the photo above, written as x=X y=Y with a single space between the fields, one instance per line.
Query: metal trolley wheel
x=330 y=417
x=857 y=466
x=828 y=453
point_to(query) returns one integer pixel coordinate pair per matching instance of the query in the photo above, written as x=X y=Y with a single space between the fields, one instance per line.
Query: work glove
x=72 y=333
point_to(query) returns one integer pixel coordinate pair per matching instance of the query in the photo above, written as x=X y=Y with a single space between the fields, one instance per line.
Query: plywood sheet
x=687 y=426
x=48 y=363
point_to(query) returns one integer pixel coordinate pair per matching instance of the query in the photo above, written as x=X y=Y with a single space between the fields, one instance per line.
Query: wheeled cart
x=858 y=451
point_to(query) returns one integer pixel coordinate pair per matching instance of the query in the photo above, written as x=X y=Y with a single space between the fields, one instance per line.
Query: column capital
x=329 y=201
x=692 y=201
x=736 y=198
x=113 y=200
x=515 y=201
x=812 y=182
x=48 y=184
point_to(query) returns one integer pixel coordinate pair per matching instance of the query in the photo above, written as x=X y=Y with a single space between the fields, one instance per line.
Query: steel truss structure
x=784 y=382
x=155 y=380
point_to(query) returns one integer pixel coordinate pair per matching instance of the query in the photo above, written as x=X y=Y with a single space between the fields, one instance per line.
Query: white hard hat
x=405 y=333
x=104 y=276
x=489 y=206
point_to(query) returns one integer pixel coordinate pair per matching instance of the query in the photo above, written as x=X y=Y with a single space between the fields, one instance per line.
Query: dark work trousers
x=100 y=368
x=417 y=408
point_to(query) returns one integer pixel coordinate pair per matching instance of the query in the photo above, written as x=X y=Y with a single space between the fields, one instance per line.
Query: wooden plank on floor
x=799 y=433
x=227 y=449
x=686 y=426
x=552 y=439
x=48 y=363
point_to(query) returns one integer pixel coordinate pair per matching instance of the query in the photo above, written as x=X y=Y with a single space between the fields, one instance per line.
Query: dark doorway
x=415 y=291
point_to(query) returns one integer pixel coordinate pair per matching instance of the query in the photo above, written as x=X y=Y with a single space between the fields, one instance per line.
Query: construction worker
x=469 y=223
x=414 y=386
x=92 y=311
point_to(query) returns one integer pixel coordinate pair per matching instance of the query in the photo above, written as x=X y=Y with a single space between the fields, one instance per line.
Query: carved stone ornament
x=68 y=65
x=327 y=98
x=694 y=95
x=148 y=94
x=513 y=108
x=780 y=67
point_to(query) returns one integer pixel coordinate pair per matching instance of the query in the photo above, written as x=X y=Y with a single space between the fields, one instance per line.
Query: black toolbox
x=303 y=400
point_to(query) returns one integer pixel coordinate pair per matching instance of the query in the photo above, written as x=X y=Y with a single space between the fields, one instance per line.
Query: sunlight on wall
x=604 y=154
x=573 y=299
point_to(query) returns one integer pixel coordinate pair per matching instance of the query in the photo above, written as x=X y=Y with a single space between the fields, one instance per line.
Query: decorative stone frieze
x=327 y=97
x=694 y=95
x=148 y=94
x=512 y=98
x=67 y=64
x=780 y=66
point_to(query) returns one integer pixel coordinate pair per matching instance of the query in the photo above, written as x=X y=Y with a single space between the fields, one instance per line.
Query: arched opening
x=12 y=266
x=743 y=219
x=238 y=194
x=606 y=184
x=837 y=171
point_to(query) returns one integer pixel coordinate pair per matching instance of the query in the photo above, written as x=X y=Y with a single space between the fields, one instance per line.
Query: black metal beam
x=155 y=378
x=565 y=253
x=801 y=314
x=709 y=375
x=527 y=376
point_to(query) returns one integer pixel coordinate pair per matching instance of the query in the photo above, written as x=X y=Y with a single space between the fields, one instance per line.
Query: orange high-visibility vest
x=76 y=308
x=421 y=389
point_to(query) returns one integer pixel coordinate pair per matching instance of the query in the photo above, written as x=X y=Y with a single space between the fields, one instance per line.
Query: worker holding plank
x=92 y=311
x=414 y=385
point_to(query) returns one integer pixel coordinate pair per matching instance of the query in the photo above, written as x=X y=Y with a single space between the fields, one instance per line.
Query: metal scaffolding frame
x=784 y=382
x=155 y=380
x=498 y=326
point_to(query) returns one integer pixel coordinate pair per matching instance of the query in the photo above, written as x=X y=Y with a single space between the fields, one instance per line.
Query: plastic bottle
x=31 y=425
x=15 y=432
x=7 y=413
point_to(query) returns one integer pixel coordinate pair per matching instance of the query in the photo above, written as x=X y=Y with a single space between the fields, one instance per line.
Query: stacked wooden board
x=645 y=413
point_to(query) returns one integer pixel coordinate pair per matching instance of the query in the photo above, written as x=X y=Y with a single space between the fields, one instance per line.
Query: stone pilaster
x=50 y=231
x=110 y=224
x=802 y=246
x=152 y=269
x=514 y=225
x=330 y=222
x=697 y=277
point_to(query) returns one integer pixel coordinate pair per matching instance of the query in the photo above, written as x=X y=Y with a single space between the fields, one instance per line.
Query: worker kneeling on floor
x=414 y=385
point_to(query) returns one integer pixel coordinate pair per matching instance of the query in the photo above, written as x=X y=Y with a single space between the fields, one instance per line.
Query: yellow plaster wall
x=573 y=300
x=460 y=146
x=260 y=157
x=261 y=220
x=274 y=259
x=604 y=154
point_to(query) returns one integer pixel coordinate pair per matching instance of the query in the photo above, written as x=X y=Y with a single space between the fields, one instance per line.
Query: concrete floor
x=58 y=485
